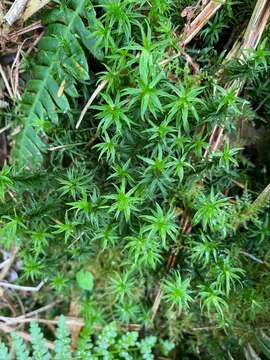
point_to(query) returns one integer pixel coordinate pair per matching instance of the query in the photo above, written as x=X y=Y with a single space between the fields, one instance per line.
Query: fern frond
x=62 y=344
x=60 y=63
x=40 y=350
x=20 y=348
x=4 y=354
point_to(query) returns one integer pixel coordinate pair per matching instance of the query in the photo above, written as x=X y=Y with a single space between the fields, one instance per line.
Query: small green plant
x=110 y=343
x=149 y=208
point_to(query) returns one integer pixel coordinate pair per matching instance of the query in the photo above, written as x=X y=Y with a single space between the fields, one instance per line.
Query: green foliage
x=85 y=280
x=177 y=291
x=61 y=60
x=104 y=210
x=62 y=344
x=161 y=224
x=110 y=343
x=211 y=211
x=40 y=350
x=4 y=354
x=20 y=348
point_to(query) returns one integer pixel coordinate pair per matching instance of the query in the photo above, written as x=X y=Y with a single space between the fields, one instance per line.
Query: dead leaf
x=1 y=13
x=32 y=7
x=74 y=329
x=61 y=88
x=15 y=11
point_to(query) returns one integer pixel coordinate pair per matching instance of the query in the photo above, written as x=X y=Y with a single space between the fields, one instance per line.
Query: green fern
x=40 y=350
x=60 y=63
x=4 y=353
x=109 y=343
x=20 y=348
x=62 y=344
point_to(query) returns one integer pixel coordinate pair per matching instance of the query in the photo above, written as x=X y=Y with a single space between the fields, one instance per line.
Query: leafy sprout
x=177 y=291
x=161 y=223
x=124 y=202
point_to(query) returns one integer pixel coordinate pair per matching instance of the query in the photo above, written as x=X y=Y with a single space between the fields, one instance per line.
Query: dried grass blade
x=33 y=6
x=198 y=23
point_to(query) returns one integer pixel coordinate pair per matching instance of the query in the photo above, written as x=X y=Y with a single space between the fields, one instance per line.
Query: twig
x=156 y=304
x=16 y=295
x=22 y=288
x=7 y=329
x=14 y=72
x=9 y=304
x=8 y=264
x=15 y=11
x=256 y=24
x=16 y=320
x=34 y=44
x=2 y=72
x=252 y=257
x=204 y=328
x=25 y=30
x=252 y=36
x=59 y=147
x=69 y=321
x=198 y=23
x=4 y=263
x=100 y=87
x=1 y=13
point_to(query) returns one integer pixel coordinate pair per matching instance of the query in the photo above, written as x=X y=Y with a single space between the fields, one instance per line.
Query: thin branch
x=70 y=321
x=198 y=23
x=34 y=44
x=18 y=319
x=22 y=288
x=60 y=147
x=8 y=264
x=35 y=26
x=100 y=87
x=156 y=304
x=7 y=329
x=15 y=11
x=4 y=263
x=252 y=257
x=2 y=72
x=1 y=13
x=14 y=321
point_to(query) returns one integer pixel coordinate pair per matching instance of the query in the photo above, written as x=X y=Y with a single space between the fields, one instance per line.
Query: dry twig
x=198 y=23
x=18 y=319
x=22 y=288
x=32 y=7
x=15 y=11
x=100 y=87
x=8 y=263
x=4 y=77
